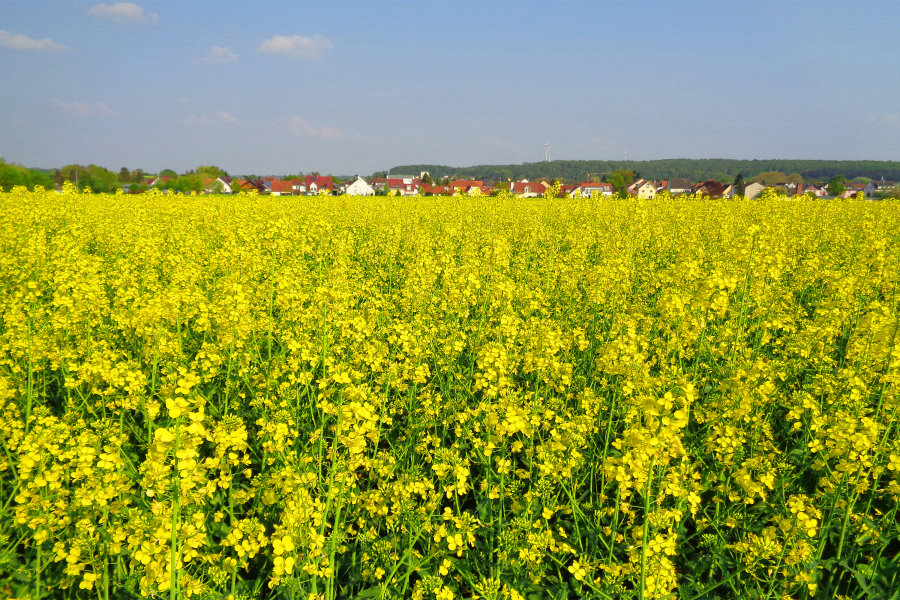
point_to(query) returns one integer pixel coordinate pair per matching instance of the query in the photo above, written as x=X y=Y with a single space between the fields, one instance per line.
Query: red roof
x=534 y=187
x=326 y=182
x=466 y=184
x=282 y=186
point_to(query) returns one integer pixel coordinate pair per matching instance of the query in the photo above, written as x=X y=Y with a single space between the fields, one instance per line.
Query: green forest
x=721 y=169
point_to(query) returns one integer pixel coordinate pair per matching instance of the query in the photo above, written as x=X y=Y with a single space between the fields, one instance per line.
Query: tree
x=189 y=183
x=740 y=187
x=124 y=175
x=216 y=187
x=10 y=176
x=620 y=180
x=97 y=178
x=770 y=177
x=836 y=186
x=211 y=171
x=795 y=178
x=168 y=173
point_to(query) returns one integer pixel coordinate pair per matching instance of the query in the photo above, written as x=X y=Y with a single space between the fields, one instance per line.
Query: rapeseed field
x=339 y=397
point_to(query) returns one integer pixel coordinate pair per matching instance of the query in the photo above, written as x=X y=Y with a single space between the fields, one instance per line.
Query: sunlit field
x=435 y=398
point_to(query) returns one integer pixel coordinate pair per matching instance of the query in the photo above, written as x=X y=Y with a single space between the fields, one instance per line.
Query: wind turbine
x=547 y=152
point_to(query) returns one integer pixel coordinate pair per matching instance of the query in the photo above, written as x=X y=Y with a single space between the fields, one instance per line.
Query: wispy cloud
x=123 y=12
x=97 y=109
x=211 y=120
x=218 y=55
x=309 y=48
x=23 y=42
x=300 y=127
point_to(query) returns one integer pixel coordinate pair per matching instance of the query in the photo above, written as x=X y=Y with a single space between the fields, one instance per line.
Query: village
x=408 y=185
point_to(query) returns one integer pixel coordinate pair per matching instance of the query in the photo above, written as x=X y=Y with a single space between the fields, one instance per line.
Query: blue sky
x=278 y=87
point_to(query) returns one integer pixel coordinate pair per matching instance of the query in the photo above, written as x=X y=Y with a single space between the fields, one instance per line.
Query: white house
x=752 y=190
x=359 y=187
x=588 y=188
x=528 y=189
x=226 y=184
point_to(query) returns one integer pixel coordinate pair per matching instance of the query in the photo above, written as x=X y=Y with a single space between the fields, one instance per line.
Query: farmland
x=339 y=397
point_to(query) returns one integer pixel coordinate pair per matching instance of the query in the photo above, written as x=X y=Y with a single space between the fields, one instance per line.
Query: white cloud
x=309 y=48
x=300 y=127
x=23 y=42
x=97 y=109
x=211 y=120
x=218 y=55
x=123 y=12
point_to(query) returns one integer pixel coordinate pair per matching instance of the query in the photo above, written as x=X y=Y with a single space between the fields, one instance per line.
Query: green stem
x=646 y=528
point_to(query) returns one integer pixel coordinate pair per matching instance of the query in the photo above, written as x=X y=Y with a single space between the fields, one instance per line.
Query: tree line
x=102 y=180
x=720 y=169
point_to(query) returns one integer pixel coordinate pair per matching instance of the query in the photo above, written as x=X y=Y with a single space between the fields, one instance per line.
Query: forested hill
x=694 y=169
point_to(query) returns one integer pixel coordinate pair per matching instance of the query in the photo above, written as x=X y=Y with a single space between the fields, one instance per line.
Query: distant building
x=527 y=189
x=588 y=188
x=711 y=188
x=679 y=185
x=316 y=184
x=358 y=187
x=752 y=190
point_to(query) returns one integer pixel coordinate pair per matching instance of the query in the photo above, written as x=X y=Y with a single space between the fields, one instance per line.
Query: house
x=567 y=189
x=818 y=191
x=729 y=191
x=402 y=186
x=588 y=188
x=866 y=188
x=528 y=189
x=315 y=184
x=643 y=189
x=436 y=190
x=467 y=186
x=159 y=181
x=631 y=190
x=378 y=183
x=358 y=187
x=226 y=184
x=286 y=187
x=710 y=187
x=679 y=185
x=752 y=190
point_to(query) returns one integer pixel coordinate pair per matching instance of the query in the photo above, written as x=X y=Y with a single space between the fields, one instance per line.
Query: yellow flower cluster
x=499 y=398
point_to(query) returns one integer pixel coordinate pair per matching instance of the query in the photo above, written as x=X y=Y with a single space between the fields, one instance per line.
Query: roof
x=285 y=185
x=535 y=187
x=326 y=181
x=679 y=183
x=466 y=183
x=711 y=187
